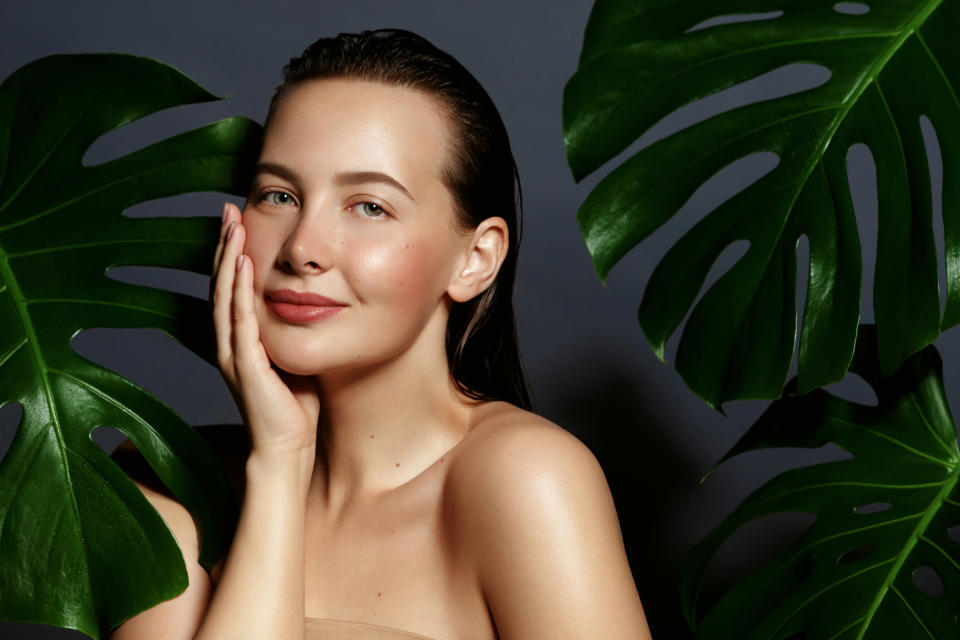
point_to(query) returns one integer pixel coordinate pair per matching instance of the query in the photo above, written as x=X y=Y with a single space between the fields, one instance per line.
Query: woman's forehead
x=336 y=125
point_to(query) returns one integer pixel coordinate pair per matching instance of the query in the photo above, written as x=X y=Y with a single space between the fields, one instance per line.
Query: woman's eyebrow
x=360 y=177
x=276 y=169
x=342 y=178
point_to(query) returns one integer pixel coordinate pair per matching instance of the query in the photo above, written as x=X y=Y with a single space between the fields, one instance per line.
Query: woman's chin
x=293 y=370
x=294 y=363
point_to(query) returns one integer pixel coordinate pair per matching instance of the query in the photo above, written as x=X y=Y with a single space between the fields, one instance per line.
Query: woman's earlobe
x=484 y=255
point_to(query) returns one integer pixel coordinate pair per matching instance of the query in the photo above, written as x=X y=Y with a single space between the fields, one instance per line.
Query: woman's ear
x=482 y=257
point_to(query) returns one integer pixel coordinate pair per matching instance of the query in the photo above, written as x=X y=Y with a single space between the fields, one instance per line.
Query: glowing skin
x=375 y=492
x=315 y=223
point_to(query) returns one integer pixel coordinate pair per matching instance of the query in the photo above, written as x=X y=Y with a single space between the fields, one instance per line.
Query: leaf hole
x=954 y=532
x=727 y=258
x=862 y=182
x=165 y=368
x=175 y=280
x=857 y=554
x=926 y=579
x=151 y=129
x=10 y=416
x=853 y=388
x=720 y=187
x=183 y=205
x=851 y=8
x=107 y=438
x=734 y=18
x=935 y=166
x=776 y=83
x=873 y=507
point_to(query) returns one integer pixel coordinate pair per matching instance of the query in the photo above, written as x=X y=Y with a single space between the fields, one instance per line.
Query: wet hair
x=480 y=173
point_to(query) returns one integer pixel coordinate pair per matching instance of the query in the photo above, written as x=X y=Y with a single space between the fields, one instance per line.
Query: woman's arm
x=548 y=549
x=263 y=565
x=260 y=592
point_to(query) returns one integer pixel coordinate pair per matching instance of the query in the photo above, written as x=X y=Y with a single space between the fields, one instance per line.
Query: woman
x=395 y=484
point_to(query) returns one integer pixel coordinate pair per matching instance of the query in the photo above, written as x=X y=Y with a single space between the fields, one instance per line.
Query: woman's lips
x=301 y=307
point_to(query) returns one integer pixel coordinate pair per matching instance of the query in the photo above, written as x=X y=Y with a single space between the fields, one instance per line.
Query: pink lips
x=301 y=307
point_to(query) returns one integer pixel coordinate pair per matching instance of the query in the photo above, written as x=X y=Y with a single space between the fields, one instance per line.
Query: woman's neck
x=381 y=427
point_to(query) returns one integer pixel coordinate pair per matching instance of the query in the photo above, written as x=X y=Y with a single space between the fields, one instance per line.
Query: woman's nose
x=307 y=248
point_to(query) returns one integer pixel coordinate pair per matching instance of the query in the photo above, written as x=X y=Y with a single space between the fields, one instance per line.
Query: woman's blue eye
x=278 y=197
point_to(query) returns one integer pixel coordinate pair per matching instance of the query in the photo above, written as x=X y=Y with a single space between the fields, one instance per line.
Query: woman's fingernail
x=223 y=214
x=230 y=229
x=239 y=262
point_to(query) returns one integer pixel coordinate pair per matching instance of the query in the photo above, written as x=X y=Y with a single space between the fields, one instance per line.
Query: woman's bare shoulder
x=513 y=464
x=533 y=511
x=511 y=456
x=506 y=438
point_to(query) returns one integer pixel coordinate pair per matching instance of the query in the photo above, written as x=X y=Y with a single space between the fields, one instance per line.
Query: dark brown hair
x=481 y=174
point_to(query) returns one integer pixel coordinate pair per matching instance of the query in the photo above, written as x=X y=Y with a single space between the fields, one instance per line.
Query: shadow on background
x=662 y=508
x=649 y=478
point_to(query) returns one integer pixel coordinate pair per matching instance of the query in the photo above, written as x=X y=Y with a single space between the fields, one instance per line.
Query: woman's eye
x=278 y=198
x=370 y=209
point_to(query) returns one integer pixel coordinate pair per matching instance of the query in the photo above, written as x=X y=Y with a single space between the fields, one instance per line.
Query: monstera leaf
x=79 y=545
x=643 y=59
x=880 y=516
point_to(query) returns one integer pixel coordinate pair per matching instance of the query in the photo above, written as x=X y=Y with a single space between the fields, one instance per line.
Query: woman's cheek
x=404 y=273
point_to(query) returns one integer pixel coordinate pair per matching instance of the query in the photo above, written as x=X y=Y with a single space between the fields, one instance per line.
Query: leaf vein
x=105 y=303
x=131 y=176
x=828 y=588
x=43 y=160
x=68 y=247
x=941 y=551
x=12 y=350
x=899 y=443
x=913 y=613
x=939 y=68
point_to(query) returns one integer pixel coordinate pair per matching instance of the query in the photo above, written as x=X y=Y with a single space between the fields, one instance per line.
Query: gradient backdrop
x=589 y=366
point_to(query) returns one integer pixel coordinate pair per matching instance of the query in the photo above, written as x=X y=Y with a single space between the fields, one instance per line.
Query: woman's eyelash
x=370 y=209
x=366 y=208
x=267 y=197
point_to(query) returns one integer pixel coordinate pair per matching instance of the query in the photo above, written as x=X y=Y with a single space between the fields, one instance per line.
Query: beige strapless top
x=324 y=629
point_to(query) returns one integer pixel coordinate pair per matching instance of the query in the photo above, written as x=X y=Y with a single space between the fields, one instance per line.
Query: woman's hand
x=280 y=409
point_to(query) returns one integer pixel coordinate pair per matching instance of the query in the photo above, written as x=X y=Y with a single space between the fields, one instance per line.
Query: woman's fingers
x=226 y=218
x=248 y=354
x=278 y=416
x=223 y=291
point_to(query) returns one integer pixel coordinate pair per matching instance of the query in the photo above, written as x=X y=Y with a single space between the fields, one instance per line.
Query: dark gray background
x=588 y=363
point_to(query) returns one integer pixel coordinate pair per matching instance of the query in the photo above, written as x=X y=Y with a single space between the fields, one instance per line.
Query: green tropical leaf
x=850 y=573
x=81 y=548
x=888 y=67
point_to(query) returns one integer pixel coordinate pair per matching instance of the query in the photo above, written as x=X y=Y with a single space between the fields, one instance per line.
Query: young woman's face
x=347 y=203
